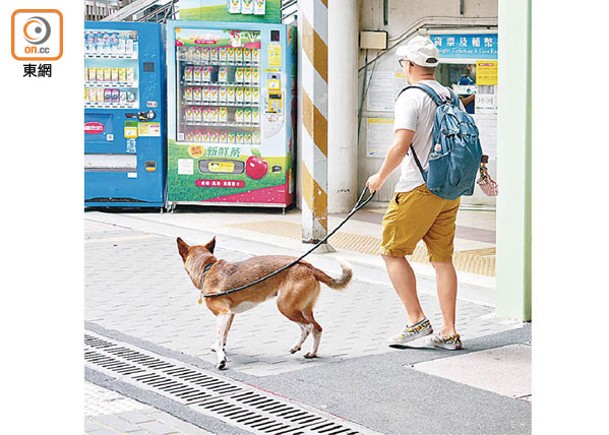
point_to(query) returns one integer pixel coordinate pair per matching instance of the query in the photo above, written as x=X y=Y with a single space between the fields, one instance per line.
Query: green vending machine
x=231 y=112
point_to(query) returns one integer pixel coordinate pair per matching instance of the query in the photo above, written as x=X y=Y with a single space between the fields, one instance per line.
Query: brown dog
x=296 y=288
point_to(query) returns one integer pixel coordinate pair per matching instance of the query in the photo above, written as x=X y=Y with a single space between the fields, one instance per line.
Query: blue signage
x=466 y=46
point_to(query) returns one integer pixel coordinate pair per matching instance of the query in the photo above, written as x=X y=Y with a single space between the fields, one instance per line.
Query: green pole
x=514 y=161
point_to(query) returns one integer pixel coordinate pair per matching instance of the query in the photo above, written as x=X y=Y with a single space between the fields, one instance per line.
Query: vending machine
x=125 y=114
x=231 y=113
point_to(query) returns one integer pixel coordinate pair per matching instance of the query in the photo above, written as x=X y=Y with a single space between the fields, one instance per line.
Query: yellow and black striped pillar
x=313 y=71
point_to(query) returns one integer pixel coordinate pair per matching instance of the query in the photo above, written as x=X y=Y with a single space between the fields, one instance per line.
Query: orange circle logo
x=196 y=151
x=36 y=30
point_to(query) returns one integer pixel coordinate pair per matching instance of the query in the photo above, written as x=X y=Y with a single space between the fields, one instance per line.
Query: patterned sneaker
x=411 y=333
x=449 y=343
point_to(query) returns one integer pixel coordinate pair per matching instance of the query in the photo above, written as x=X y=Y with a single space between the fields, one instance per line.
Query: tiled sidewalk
x=136 y=284
x=136 y=287
x=110 y=413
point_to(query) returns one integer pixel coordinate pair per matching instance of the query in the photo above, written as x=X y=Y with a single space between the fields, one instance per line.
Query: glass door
x=218 y=88
x=111 y=69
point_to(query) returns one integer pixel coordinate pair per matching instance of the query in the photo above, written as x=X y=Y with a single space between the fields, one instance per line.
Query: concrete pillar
x=343 y=34
x=514 y=161
x=313 y=116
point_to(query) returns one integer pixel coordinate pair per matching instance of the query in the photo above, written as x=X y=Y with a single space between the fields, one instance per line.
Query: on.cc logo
x=37 y=34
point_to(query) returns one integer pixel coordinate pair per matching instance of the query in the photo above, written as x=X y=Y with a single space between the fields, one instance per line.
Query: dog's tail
x=336 y=284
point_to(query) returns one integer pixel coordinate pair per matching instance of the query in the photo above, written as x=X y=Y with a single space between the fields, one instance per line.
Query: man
x=468 y=79
x=415 y=213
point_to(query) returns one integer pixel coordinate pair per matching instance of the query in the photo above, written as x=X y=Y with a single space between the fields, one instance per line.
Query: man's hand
x=374 y=183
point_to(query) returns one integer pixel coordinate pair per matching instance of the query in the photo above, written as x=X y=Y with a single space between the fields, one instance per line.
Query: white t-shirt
x=415 y=110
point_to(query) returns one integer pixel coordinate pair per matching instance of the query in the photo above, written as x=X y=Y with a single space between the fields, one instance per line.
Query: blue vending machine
x=125 y=115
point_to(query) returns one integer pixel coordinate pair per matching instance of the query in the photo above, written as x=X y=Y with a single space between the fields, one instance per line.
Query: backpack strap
x=429 y=91
x=432 y=94
x=416 y=159
x=436 y=99
x=454 y=96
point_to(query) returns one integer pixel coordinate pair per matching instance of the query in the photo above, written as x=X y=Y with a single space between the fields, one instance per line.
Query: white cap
x=420 y=50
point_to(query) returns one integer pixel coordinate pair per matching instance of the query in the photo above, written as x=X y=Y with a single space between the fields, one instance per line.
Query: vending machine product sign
x=230 y=114
x=259 y=11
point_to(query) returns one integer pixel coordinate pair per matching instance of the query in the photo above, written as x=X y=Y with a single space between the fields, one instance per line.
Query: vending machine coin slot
x=146 y=116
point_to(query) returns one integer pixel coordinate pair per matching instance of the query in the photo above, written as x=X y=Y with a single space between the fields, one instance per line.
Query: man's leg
x=404 y=281
x=440 y=246
x=408 y=218
x=446 y=279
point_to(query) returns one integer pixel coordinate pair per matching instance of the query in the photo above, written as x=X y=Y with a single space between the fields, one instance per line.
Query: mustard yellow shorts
x=419 y=214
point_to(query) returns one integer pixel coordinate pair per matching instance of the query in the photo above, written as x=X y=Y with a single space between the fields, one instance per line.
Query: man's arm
x=396 y=153
x=468 y=99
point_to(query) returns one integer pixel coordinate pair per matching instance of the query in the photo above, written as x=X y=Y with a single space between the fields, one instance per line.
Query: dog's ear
x=211 y=245
x=183 y=248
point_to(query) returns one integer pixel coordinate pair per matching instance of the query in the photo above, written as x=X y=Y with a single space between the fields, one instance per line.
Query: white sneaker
x=449 y=343
x=411 y=333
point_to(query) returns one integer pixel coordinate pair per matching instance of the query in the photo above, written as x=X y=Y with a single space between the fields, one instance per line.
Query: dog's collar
x=205 y=270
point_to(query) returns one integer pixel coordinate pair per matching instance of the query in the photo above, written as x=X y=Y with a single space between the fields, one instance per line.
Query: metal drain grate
x=232 y=402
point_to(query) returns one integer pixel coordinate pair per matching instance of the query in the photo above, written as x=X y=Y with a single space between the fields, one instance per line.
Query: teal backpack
x=455 y=155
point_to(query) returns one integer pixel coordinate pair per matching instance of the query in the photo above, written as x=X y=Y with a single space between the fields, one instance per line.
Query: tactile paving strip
x=477 y=261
